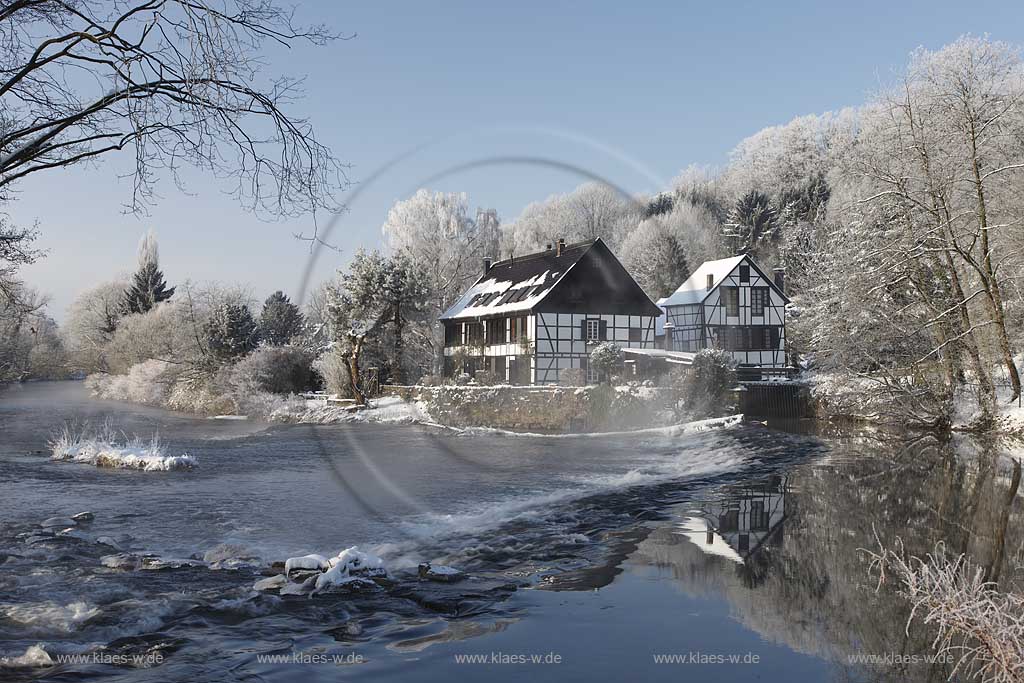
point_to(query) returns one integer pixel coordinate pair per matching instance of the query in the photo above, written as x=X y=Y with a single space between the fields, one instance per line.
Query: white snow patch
x=683 y=429
x=311 y=561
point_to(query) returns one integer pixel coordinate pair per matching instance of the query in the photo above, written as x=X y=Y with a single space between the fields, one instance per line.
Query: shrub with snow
x=147 y=383
x=606 y=359
x=709 y=381
x=274 y=369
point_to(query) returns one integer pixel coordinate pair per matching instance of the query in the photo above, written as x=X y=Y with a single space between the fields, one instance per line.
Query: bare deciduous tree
x=176 y=82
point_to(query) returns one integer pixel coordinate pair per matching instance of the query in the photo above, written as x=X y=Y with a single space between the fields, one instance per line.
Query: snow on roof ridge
x=545 y=252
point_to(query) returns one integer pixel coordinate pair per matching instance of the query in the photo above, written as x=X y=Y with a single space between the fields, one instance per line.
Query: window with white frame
x=593 y=376
x=731 y=295
x=593 y=330
x=758 y=300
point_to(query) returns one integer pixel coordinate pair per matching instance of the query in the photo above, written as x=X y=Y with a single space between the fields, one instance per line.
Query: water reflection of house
x=741 y=522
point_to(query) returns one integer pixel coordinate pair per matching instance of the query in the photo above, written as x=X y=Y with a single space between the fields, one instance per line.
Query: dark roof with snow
x=518 y=283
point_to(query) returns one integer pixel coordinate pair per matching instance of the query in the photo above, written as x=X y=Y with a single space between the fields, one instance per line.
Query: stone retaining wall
x=542 y=409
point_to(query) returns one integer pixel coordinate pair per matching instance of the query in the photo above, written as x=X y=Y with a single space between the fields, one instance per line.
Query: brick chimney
x=780 y=279
x=561 y=247
x=487 y=264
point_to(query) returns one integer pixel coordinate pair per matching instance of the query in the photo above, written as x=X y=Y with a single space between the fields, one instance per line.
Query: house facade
x=730 y=304
x=529 y=318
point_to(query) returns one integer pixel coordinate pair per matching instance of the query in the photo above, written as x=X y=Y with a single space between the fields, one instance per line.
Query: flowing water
x=735 y=553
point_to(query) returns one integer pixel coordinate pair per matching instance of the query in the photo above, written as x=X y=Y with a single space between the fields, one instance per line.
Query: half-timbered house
x=529 y=318
x=730 y=304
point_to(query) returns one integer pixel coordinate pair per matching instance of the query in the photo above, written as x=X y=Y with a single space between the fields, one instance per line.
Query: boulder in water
x=270 y=583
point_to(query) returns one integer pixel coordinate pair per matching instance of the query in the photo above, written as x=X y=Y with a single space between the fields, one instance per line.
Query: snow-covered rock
x=352 y=569
x=312 y=561
x=83 y=517
x=440 y=573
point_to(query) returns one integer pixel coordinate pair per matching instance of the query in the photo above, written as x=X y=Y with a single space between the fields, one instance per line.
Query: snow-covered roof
x=695 y=289
x=517 y=284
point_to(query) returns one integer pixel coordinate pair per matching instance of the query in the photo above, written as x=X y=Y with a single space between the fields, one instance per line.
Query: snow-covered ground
x=387 y=409
x=103 y=449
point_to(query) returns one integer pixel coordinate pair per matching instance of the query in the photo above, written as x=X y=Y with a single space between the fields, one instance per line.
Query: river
x=588 y=558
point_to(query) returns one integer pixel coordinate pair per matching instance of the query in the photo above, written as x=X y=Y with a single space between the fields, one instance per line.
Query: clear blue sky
x=632 y=92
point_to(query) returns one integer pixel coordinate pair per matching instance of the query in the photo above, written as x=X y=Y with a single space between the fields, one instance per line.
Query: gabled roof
x=517 y=284
x=695 y=289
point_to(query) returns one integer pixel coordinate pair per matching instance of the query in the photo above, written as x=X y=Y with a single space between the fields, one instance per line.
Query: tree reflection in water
x=788 y=551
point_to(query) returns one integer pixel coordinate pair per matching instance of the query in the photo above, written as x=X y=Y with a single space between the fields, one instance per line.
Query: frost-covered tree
x=231 y=332
x=436 y=233
x=148 y=287
x=590 y=211
x=655 y=258
x=30 y=347
x=280 y=320
x=607 y=359
x=753 y=224
x=924 y=200
x=91 y=322
x=375 y=292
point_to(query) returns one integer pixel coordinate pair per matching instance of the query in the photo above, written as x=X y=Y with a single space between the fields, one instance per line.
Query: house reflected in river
x=740 y=523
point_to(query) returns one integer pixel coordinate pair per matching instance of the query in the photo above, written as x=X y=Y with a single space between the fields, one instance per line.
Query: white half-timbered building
x=730 y=304
x=528 y=318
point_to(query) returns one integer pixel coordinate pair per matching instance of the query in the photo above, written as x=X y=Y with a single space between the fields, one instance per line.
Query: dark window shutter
x=603 y=330
x=583 y=329
x=775 y=337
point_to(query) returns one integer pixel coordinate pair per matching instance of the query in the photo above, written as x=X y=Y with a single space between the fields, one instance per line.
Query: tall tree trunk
x=397 y=371
x=355 y=382
x=992 y=290
x=986 y=389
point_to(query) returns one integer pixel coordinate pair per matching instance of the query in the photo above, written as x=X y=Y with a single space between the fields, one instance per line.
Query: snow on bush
x=273 y=369
x=980 y=626
x=147 y=382
x=607 y=359
x=709 y=381
x=105 y=448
